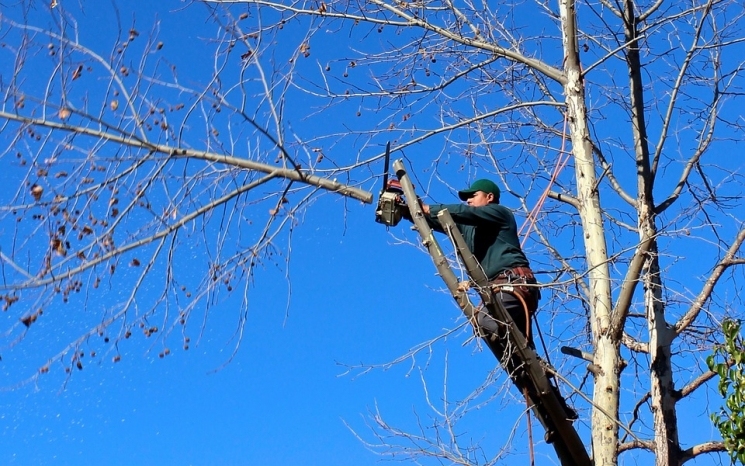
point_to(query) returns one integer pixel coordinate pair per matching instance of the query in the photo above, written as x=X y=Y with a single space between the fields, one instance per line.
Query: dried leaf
x=59 y=247
x=64 y=113
x=30 y=318
x=37 y=191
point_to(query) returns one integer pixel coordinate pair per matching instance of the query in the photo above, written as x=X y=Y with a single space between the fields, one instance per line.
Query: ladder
x=527 y=372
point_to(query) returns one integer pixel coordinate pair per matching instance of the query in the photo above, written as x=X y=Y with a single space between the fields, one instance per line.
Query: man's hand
x=425 y=207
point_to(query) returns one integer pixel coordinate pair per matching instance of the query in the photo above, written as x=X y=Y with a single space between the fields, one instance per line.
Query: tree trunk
x=662 y=395
x=662 y=388
x=607 y=354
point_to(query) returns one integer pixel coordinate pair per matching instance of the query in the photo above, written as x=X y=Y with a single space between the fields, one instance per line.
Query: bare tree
x=641 y=99
x=118 y=174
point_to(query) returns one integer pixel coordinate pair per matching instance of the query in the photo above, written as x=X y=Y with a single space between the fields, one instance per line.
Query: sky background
x=286 y=397
x=298 y=391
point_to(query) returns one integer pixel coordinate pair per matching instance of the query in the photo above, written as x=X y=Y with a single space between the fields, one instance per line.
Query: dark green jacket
x=490 y=232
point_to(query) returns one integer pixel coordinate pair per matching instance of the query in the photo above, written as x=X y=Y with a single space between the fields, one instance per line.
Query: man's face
x=480 y=198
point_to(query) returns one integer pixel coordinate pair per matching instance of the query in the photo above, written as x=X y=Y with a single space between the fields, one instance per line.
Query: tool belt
x=510 y=281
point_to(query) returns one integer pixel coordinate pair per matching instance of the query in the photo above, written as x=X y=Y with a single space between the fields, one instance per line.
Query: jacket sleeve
x=467 y=215
x=431 y=221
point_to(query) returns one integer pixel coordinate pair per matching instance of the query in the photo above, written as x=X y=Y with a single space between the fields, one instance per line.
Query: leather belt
x=523 y=272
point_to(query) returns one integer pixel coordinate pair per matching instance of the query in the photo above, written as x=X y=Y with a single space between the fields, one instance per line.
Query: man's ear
x=490 y=197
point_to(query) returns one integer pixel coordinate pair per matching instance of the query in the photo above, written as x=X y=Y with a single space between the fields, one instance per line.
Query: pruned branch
x=700 y=449
x=636 y=444
x=564 y=198
x=633 y=344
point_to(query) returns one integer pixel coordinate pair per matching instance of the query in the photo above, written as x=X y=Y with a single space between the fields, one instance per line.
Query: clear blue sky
x=295 y=391
x=284 y=399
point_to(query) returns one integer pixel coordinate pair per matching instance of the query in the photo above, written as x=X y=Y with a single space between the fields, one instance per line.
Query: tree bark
x=662 y=395
x=607 y=354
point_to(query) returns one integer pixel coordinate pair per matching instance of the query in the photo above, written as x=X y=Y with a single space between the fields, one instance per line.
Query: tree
x=727 y=363
x=639 y=98
x=116 y=165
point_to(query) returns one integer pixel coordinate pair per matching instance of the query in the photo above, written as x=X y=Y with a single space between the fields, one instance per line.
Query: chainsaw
x=391 y=204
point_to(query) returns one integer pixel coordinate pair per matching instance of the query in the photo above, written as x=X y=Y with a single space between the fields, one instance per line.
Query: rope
x=522 y=301
x=530 y=428
x=533 y=215
x=543 y=343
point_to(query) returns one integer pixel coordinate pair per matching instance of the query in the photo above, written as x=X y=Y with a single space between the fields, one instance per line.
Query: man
x=490 y=232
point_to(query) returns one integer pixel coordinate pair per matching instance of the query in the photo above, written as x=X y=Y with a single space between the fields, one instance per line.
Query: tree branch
x=132 y=141
x=630 y=281
x=571 y=200
x=409 y=20
x=644 y=444
x=34 y=282
x=700 y=449
x=669 y=117
x=633 y=344
x=697 y=382
x=698 y=304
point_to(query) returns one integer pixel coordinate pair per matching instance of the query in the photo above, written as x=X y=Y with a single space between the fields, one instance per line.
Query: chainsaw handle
x=387 y=162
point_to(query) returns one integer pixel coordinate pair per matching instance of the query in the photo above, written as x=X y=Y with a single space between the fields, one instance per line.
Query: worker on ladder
x=490 y=232
x=484 y=234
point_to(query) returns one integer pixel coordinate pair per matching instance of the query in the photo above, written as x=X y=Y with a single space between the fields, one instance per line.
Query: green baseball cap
x=484 y=185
